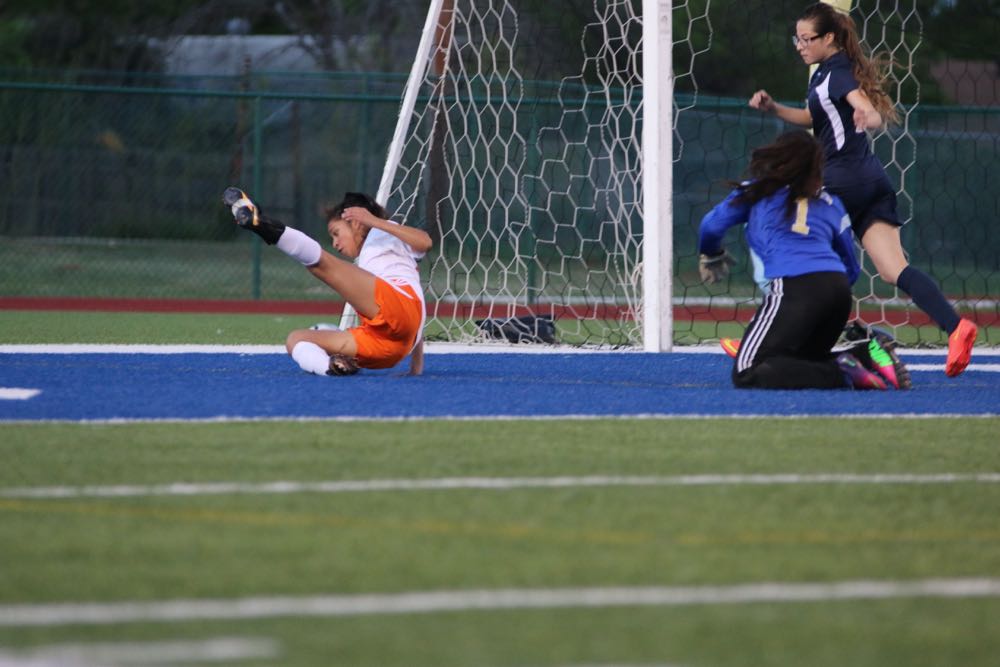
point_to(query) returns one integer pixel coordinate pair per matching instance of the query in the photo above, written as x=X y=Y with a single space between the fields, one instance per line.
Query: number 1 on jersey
x=801 y=211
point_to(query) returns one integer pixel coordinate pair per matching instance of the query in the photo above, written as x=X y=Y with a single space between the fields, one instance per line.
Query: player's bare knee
x=889 y=271
x=294 y=338
x=889 y=276
x=888 y=266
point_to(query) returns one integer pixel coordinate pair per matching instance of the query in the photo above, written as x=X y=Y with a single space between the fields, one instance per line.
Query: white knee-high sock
x=299 y=246
x=311 y=357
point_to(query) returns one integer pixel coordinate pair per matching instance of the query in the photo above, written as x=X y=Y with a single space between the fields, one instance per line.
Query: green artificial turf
x=234 y=545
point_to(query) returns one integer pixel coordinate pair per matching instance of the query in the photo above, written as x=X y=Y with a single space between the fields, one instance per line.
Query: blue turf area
x=204 y=386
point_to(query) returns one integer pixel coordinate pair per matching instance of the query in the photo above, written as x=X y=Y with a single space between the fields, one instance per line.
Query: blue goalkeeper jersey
x=815 y=237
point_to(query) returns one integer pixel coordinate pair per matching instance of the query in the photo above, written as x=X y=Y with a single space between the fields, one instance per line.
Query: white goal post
x=657 y=176
x=458 y=79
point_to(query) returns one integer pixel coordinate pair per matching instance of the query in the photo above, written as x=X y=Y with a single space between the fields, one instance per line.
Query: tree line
x=745 y=44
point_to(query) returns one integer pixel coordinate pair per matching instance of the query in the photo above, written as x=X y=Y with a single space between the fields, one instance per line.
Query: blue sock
x=928 y=297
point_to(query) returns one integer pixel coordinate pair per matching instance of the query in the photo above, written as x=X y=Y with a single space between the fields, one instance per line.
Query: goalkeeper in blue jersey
x=803 y=253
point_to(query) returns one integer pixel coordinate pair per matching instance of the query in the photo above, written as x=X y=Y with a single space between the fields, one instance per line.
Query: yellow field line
x=509 y=531
x=505 y=531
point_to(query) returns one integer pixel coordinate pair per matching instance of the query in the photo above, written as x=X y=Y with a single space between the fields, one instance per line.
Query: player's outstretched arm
x=417 y=239
x=865 y=115
x=763 y=101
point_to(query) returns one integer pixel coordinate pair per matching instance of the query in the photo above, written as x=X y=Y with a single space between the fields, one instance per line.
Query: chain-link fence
x=114 y=191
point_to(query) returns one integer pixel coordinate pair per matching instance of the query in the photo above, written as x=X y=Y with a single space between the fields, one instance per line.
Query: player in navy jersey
x=800 y=238
x=846 y=98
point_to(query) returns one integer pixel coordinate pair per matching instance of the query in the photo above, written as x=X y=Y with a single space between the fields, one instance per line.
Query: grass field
x=227 y=546
x=652 y=572
x=269 y=329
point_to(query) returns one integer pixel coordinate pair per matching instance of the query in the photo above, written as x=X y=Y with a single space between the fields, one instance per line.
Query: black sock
x=928 y=297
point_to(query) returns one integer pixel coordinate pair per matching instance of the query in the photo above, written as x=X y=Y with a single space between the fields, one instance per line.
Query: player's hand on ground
x=762 y=100
x=359 y=214
x=715 y=268
x=417 y=359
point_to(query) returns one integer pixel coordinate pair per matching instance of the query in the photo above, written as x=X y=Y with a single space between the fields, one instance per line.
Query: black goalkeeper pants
x=788 y=342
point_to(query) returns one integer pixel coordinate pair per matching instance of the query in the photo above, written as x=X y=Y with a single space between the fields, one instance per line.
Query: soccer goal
x=561 y=155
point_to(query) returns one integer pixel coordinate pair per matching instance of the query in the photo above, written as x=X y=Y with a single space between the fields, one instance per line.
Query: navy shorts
x=868 y=196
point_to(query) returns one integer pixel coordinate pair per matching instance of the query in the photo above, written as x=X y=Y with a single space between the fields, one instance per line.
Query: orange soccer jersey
x=384 y=340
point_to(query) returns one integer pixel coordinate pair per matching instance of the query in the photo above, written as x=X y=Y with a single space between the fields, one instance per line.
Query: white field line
x=17 y=393
x=658 y=416
x=87 y=348
x=432 y=348
x=983 y=368
x=485 y=483
x=218 y=649
x=425 y=602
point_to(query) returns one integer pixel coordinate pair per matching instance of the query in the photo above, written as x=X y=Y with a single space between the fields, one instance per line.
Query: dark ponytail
x=794 y=160
x=871 y=73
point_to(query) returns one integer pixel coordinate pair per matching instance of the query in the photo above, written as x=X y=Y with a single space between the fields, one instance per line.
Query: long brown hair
x=871 y=72
x=795 y=160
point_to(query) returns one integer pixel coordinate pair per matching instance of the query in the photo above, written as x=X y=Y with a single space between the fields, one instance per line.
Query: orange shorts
x=384 y=340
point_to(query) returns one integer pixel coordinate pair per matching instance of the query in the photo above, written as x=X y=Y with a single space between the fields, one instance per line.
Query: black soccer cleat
x=855 y=332
x=244 y=210
x=248 y=216
x=342 y=365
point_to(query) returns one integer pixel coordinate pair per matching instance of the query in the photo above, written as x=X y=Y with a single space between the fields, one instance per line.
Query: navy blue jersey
x=851 y=170
x=832 y=115
x=815 y=237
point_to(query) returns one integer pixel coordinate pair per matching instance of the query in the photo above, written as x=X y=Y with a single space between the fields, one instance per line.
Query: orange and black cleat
x=960 y=344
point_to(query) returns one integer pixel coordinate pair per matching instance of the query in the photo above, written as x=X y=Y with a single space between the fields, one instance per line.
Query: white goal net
x=520 y=149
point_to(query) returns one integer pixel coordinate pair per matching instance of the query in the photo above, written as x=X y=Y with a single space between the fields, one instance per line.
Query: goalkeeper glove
x=715 y=268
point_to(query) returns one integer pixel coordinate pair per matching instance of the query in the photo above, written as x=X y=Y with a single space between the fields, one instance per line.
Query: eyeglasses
x=803 y=41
